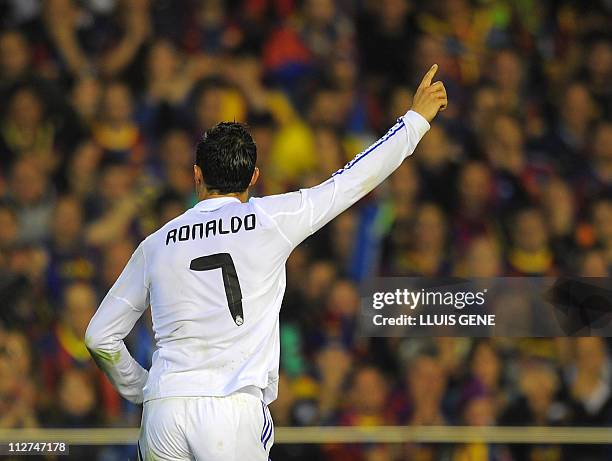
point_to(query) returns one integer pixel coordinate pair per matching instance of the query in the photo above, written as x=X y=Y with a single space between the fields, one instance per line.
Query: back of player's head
x=226 y=154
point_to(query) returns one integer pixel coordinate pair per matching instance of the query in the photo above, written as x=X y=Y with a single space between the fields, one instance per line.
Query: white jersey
x=215 y=279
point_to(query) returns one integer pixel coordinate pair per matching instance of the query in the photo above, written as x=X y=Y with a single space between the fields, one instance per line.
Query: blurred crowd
x=103 y=101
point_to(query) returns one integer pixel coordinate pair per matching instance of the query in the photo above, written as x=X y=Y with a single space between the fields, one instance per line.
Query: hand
x=430 y=99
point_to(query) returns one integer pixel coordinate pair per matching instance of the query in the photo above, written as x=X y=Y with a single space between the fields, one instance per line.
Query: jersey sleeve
x=299 y=214
x=121 y=308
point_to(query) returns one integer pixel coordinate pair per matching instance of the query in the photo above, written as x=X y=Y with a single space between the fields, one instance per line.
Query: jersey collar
x=211 y=204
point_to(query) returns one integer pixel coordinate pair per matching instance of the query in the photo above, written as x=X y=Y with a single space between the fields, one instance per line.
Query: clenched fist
x=430 y=99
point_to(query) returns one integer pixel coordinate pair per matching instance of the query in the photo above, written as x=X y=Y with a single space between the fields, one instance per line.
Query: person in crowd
x=475 y=205
x=64 y=351
x=426 y=254
x=115 y=130
x=365 y=405
x=17 y=389
x=530 y=252
x=485 y=378
x=32 y=194
x=70 y=259
x=536 y=404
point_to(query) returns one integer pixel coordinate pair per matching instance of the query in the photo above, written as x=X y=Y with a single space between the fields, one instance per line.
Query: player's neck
x=205 y=195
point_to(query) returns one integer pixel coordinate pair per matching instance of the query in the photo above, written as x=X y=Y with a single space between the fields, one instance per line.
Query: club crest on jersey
x=211 y=228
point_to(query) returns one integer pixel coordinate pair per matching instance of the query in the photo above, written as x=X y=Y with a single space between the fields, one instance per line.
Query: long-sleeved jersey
x=215 y=279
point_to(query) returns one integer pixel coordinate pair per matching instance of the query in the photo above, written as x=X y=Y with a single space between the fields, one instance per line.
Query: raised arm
x=121 y=308
x=299 y=214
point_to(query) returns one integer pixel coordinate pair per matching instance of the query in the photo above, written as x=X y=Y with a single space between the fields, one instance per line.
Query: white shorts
x=234 y=428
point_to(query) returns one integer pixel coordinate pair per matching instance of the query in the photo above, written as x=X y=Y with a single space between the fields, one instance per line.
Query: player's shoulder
x=273 y=204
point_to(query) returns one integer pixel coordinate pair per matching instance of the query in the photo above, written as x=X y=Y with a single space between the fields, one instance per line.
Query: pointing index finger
x=429 y=76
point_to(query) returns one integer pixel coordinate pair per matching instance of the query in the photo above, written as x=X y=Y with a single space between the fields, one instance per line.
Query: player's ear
x=255 y=177
x=197 y=175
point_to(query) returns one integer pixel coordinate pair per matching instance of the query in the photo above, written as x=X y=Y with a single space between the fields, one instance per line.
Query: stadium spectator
x=64 y=350
x=17 y=389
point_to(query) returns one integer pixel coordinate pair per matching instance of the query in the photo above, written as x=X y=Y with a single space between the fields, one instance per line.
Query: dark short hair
x=226 y=154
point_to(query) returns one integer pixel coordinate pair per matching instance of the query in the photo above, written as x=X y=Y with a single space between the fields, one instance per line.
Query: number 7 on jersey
x=233 y=293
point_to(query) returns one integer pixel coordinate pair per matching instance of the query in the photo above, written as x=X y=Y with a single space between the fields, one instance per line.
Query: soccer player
x=215 y=278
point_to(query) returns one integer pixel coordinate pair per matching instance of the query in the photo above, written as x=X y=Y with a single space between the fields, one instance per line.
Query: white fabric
x=202 y=349
x=234 y=428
